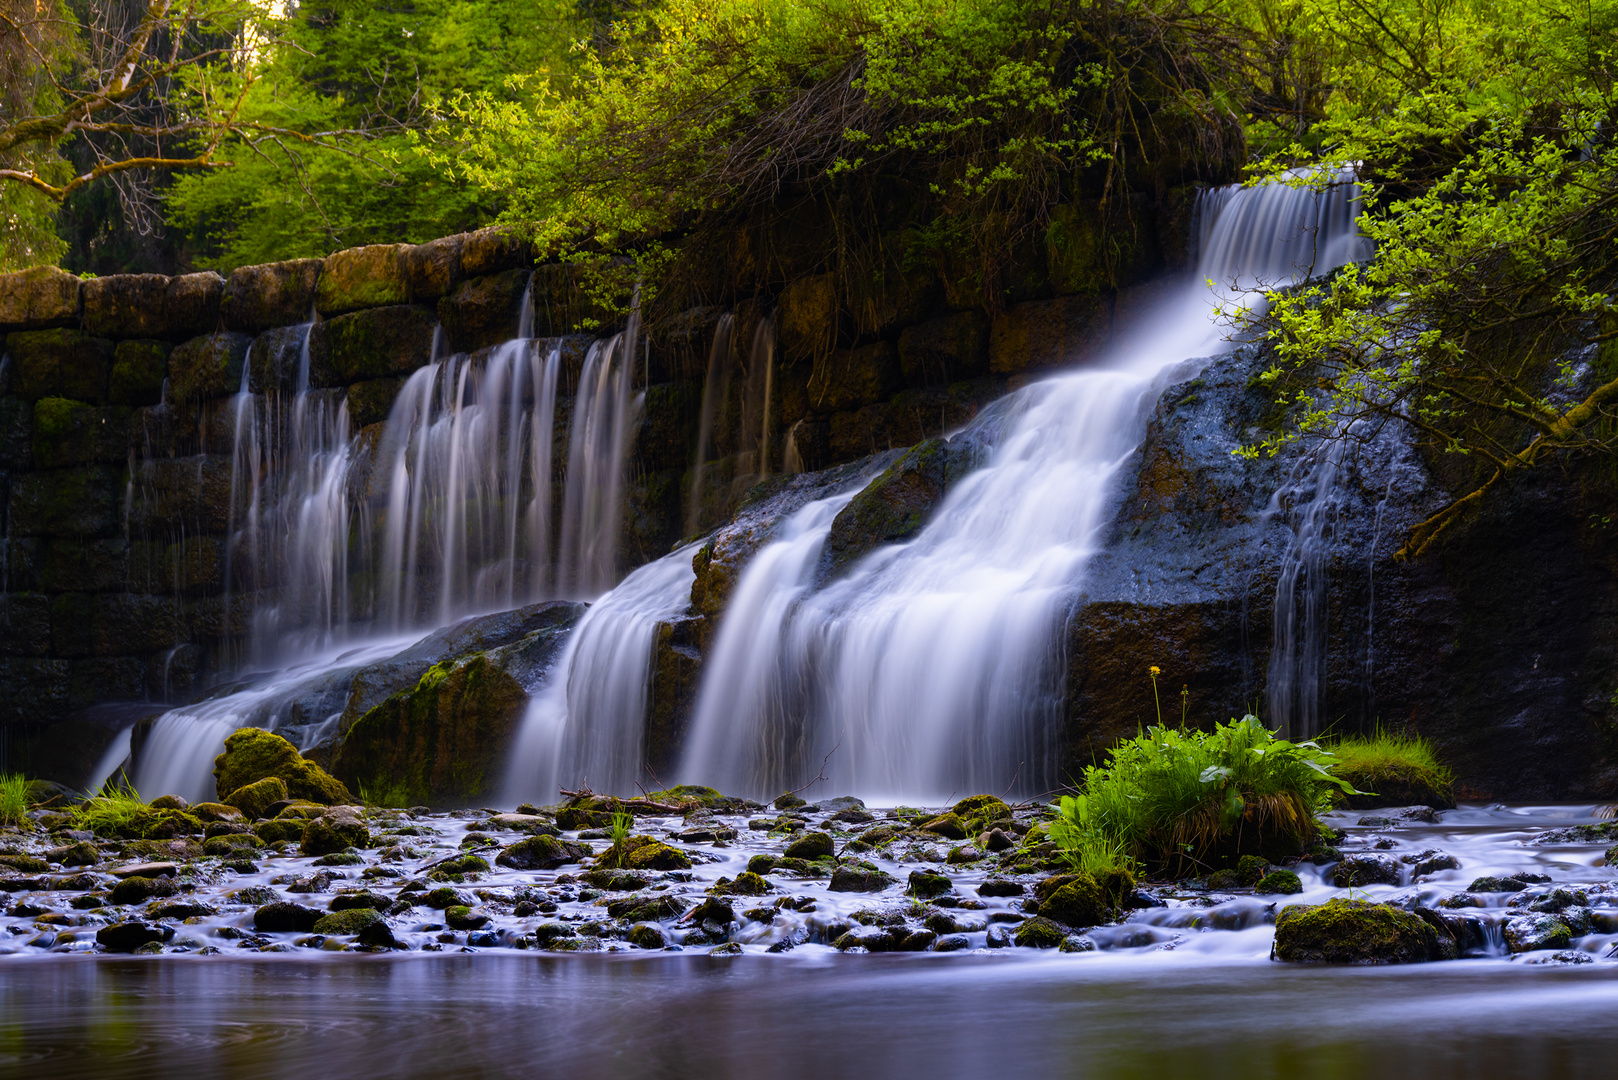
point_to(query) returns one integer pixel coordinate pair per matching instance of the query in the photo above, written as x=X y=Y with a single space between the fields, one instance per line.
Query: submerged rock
x=129 y=936
x=337 y=829
x=1527 y=933
x=1358 y=870
x=1354 y=932
x=542 y=853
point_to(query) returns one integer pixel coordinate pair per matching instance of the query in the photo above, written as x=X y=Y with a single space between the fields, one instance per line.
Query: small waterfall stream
x=935 y=667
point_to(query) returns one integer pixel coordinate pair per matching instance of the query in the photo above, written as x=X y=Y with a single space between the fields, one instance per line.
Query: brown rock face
x=372 y=344
x=1049 y=333
x=484 y=311
x=945 y=350
x=208 y=367
x=854 y=378
x=435 y=267
x=60 y=363
x=364 y=277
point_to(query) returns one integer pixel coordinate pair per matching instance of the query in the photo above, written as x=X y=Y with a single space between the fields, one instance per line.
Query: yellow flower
x=1154 y=671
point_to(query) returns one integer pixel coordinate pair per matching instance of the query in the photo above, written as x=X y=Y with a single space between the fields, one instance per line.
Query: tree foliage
x=1483 y=136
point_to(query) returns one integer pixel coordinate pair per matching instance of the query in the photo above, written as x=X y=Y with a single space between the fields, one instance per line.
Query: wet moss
x=1345 y=931
x=1282 y=882
x=252 y=754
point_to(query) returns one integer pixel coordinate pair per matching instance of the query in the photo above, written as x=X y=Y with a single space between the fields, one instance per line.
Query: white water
x=586 y=726
x=935 y=667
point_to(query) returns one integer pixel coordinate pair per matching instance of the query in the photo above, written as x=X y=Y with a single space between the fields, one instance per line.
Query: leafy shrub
x=1182 y=800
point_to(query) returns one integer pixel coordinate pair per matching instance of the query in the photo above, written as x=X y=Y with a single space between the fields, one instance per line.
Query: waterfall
x=936 y=666
x=715 y=389
x=604 y=415
x=586 y=724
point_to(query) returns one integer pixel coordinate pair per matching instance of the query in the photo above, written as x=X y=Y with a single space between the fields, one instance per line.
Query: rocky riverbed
x=726 y=876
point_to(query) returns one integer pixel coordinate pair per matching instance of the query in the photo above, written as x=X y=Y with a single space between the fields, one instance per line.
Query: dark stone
x=1049 y=333
x=338 y=829
x=1040 y=933
x=542 y=853
x=72 y=433
x=275 y=361
x=282 y=917
x=854 y=378
x=859 y=877
x=435 y=267
x=65 y=503
x=484 y=311
x=373 y=344
x=491 y=250
x=373 y=276
x=126 y=306
x=814 y=845
x=191 y=304
x=925 y=885
x=897 y=504
x=1355 y=871
x=135 y=890
x=369 y=402
x=208 y=367
x=131 y=623
x=60 y=363
x=945 y=350
x=129 y=936
x=258 y=298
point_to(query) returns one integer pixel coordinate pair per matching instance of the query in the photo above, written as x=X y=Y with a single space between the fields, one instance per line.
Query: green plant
x=1402 y=768
x=1179 y=800
x=113 y=811
x=13 y=799
x=622 y=823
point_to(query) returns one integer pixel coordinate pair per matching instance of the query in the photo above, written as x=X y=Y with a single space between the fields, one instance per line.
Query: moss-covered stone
x=1080 y=902
x=339 y=828
x=39 y=296
x=257 y=298
x=376 y=344
x=138 y=371
x=1249 y=869
x=346 y=922
x=1040 y=933
x=208 y=367
x=894 y=506
x=254 y=799
x=747 y=883
x=69 y=504
x=136 y=890
x=643 y=853
x=362 y=899
x=60 y=363
x=1344 y=931
x=924 y=885
x=369 y=402
x=1278 y=882
x=442 y=742
x=279 y=829
x=462 y=917
x=542 y=853
x=253 y=754
x=949 y=826
x=1540 y=930
x=1355 y=871
x=647 y=936
x=372 y=276
x=484 y=311
x=281 y=917
x=231 y=846
x=814 y=845
x=859 y=877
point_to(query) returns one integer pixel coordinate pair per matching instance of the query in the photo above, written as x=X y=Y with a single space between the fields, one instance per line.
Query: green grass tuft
x=13 y=799
x=113 y=811
x=1391 y=769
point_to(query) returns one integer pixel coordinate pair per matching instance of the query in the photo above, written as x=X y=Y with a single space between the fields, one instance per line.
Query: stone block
x=73 y=433
x=25 y=624
x=435 y=268
x=208 y=367
x=484 y=311
x=33 y=689
x=491 y=250
x=60 y=363
x=668 y=419
x=71 y=615
x=259 y=298
x=138 y=370
x=854 y=378
x=373 y=344
x=945 y=350
x=85 y=565
x=97 y=679
x=126 y=306
x=374 y=276
x=190 y=493
x=196 y=564
x=275 y=361
x=20 y=558
x=854 y=434
x=1049 y=333
x=39 y=297
x=16 y=433
x=370 y=401
x=124 y=623
x=66 y=503
x=191 y=304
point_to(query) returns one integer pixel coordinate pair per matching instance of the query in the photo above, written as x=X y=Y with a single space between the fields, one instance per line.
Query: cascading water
x=586 y=725
x=935 y=666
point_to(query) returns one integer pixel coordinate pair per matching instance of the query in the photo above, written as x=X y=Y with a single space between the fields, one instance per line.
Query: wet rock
x=255 y=799
x=484 y=311
x=966 y=854
x=1073 y=943
x=183 y=909
x=77 y=854
x=279 y=829
x=542 y=853
x=859 y=877
x=1278 y=882
x=648 y=909
x=126 y=937
x=949 y=826
x=1497 y=885
x=60 y=363
x=997 y=840
x=253 y=754
x=1527 y=933
x=1000 y=887
x=1430 y=862
x=998 y=936
x=259 y=298
x=231 y=846
x=730 y=948
x=945 y=350
x=1040 y=933
x=647 y=936
x=338 y=828
x=1049 y=333
x=377 y=934
x=1564 y=958
x=788 y=802
x=28 y=864
x=713 y=915
x=281 y=917
x=138 y=371
x=952 y=943
x=1079 y=902
x=69 y=504
x=815 y=845
x=462 y=917
x=375 y=344
x=1353 y=932
x=897 y=504
x=643 y=853
x=207 y=367
x=1355 y=871
x=747 y=883
x=136 y=890
x=349 y=901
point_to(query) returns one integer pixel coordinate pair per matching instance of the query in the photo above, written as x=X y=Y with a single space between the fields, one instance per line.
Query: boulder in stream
x=253 y=754
x=1344 y=931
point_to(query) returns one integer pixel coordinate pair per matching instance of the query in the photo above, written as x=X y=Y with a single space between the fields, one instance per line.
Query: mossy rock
x=610 y=880
x=982 y=809
x=1357 y=871
x=216 y=811
x=924 y=885
x=1400 y=786
x=1078 y=903
x=279 y=829
x=542 y=853
x=648 y=909
x=253 y=754
x=1345 y=931
x=762 y=864
x=746 y=884
x=948 y=825
x=28 y=864
x=230 y=846
x=859 y=877
x=643 y=853
x=1278 y=882
x=683 y=794
x=647 y=936
x=462 y=917
x=254 y=799
x=1497 y=885
x=713 y=914
x=281 y=917
x=364 y=898
x=1249 y=869
x=814 y=845
x=1040 y=933
x=339 y=829
x=1540 y=930
x=466 y=864
x=136 y=890
x=149 y=824
x=348 y=921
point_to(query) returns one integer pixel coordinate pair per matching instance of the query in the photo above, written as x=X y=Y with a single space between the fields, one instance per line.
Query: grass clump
x=13 y=799
x=1392 y=770
x=115 y=810
x=1186 y=801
